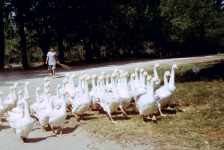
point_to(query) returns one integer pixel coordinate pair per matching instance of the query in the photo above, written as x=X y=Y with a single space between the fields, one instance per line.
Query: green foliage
x=122 y=28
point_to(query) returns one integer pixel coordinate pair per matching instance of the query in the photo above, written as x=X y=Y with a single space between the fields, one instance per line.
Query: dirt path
x=75 y=138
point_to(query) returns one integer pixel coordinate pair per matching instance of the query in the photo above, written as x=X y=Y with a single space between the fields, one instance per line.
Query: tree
x=2 y=44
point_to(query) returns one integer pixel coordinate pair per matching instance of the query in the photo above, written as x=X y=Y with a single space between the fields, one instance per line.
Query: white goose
x=17 y=109
x=132 y=87
x=57 y=96
x=172 y=86
x=13 y=92
x=157 y=84
x=136 y=81
x=141 y=76
x=108 y=86
x=24 y=125
x=142 y=90
x=41 y=97
x=147 y=103
x=57 y=117
x=72 y=84
x=163 y=94
x=93 y=92
x=81 y=104
x=110 y=101
x=27 y=92
x=16 y=115
x=103 y=73
x=2 y=106
x=67 y=78
x=10 y=103
x=37 y=105
x=44 y=114
x=125 y=95
x=42 y=105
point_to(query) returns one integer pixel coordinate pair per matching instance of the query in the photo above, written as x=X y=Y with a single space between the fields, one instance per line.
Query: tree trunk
x=2 y=43
x=22 y=36
x=61 y=49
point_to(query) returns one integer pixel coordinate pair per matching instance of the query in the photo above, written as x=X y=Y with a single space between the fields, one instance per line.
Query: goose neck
x=148 y=87
x=152 y=88
x=94 y=84
x=80 y=88
x=86 y=89
x=63 y=106
x=171 y=82
x=1 y=99
x=155 y=72
x=103 y=86
x=107 y=81
x=38 y=96
x=166 y=82
x=132 y=85
x=114 y=86
x=26 y=109
x=26 y=90
x=136 y=73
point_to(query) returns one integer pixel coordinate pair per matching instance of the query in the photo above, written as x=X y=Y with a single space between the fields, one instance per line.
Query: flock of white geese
x=51 y=110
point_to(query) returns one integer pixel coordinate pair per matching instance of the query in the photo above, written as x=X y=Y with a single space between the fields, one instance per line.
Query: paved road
x=75 y=137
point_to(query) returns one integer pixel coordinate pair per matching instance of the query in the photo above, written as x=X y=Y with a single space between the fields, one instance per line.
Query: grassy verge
x=196 y=121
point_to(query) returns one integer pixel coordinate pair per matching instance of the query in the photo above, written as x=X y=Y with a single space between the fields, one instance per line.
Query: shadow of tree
x=36 y=140
x=209 y=72
x=68 y=130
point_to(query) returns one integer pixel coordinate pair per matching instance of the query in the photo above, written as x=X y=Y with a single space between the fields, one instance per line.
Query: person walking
x=51 y=60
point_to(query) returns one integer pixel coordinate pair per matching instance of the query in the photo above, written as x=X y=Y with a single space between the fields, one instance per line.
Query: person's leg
x=53 y=72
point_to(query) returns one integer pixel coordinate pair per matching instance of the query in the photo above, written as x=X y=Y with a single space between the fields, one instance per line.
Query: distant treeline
x=87 y=30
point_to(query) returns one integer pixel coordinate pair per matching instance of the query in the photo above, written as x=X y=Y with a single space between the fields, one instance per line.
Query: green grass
x=200 y=126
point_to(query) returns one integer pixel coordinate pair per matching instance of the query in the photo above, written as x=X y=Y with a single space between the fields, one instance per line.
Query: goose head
x=108 y=76
x=94 y=76
x=27 y=83
x=142 y=70
x=149 y=78
x=103 y=73
x=16 y=84
x=114 y=75
x=74 y=76
x=46 y=79
x=137 y=69
x=26 y=98
x=88 y=77
x=63 y=92
x=82 y=78
x=67 y=75
x=154 y=79
x=133 y=75
x=167 y=73
x=174 y=66
x=121 y=71
x=103 y=77
x=82 y=73
x=11 y=88
x=145 y=74
x=65 y=81
x=47 y=84
x=47 y=91
x=157 y=65
x=59 y=86
x=38 y=89
x=1 y=93
x=116 y=70
x=20 y=92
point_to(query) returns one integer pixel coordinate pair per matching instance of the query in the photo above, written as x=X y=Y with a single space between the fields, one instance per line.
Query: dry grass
x=200 y=126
